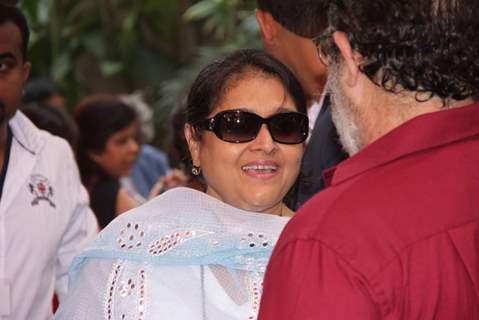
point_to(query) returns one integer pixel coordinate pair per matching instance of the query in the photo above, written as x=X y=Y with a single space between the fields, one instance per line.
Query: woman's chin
x=263 y=203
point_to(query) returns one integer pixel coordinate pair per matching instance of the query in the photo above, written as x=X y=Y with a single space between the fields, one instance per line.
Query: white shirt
x=45 y=221
x=313 y=113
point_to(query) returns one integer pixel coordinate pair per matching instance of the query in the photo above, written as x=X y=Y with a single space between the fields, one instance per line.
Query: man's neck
x=395 y=111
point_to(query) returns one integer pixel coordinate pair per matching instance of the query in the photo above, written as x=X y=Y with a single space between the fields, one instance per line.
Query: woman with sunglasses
x=194 y=255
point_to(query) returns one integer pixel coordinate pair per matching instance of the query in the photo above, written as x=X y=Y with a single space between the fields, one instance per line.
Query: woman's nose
x=264 y=141
x=133 y=146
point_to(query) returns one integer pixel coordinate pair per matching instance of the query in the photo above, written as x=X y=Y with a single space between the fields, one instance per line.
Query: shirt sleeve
x=81 y=229
x=305 y=280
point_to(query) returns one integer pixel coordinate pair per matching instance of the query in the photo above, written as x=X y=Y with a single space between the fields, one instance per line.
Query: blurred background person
x=44 y=91
x=107 y=150
x=152 y=164
x=288 y=27
x=194 y=255
x=52 y=120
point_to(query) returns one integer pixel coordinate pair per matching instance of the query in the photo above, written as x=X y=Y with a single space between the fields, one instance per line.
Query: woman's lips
x=261 y=170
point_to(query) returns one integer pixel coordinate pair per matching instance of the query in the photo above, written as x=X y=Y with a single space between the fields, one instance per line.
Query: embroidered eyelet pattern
x=131 y=237
x=255 y=288
x=168 y=242
x=126 y=288
x=141 y=299
x=112 y=281
x=255 y=240
x=130 y=302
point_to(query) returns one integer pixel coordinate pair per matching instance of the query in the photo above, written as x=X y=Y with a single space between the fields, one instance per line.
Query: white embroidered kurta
x=183 y=255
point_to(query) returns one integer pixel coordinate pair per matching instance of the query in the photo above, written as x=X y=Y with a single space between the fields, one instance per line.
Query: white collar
x=25 y=133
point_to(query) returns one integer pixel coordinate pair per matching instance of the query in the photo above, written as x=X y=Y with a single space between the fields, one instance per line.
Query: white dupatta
x=181 y=256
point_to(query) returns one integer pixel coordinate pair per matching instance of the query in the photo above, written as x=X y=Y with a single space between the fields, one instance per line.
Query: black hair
x=10 y=13
x=429 y=47
x=39 y=90
x=98 y=117
x=306 y=18
x=53 y=120
x=212 y=82
x=179 y=154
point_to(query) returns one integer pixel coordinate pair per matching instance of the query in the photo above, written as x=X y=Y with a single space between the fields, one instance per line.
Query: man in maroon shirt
x=395 y=235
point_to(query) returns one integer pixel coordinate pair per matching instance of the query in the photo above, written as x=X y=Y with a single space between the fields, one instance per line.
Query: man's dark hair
x=306 y=18
x=53 y=120
x=10 y=13
x=39 y=90
x=430 y=47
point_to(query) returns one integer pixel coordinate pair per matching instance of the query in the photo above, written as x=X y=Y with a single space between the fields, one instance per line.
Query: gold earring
x=196 y=170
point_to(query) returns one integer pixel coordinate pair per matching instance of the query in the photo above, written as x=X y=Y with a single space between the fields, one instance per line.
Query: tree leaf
x=110 y=68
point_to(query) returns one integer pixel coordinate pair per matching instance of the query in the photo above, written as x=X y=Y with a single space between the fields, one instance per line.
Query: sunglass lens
x=237 y=126
x=289 y=128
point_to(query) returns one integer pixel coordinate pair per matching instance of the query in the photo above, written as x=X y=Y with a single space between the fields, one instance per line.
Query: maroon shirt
x=395 y=235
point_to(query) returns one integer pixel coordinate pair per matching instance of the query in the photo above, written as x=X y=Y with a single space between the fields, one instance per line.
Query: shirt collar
x=25 y=133
x=421 y=133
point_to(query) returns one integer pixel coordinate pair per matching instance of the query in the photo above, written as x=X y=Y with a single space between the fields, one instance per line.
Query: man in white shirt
x=288 y=27
x=44 y=215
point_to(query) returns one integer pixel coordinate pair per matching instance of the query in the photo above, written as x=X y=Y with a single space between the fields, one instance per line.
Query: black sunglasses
x=239 y=126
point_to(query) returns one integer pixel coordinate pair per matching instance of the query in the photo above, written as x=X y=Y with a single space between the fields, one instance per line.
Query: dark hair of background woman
x=98 y=117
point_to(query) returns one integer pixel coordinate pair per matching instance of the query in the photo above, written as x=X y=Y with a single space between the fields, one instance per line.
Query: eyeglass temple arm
x=206 y=124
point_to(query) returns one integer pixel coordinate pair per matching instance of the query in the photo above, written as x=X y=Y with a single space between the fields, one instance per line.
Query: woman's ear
x=194 y=144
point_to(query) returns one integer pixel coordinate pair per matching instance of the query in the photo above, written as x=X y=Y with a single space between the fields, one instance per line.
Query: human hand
x=176 y=178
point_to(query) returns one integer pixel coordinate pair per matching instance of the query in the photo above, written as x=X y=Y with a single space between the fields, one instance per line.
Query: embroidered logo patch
x=41 y=189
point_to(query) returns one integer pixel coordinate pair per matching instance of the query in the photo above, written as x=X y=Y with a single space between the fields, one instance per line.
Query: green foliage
x=103 y=45
x=228 y=25
x=121 y=46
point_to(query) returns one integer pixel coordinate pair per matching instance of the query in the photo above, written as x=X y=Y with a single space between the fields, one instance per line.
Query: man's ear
x=351 y=58
x=193 y=144
x=267 y=26
x=26 y=71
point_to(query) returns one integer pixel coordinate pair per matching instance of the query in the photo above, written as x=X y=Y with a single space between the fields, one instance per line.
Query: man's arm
x=307 y=281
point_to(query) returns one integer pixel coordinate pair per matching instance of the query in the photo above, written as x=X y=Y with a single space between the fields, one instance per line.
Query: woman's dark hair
x=216 y=78
x=179 y=154
x=426 y=46
x=98 y=117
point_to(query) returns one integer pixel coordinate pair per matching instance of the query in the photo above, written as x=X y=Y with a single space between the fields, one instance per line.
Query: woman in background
x=107 y=150
x=193 y=255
